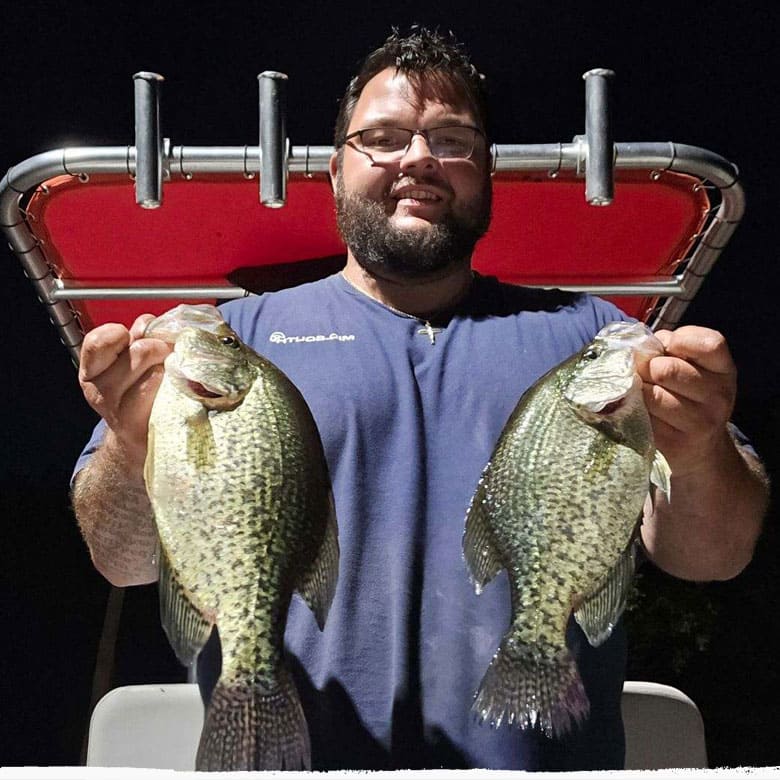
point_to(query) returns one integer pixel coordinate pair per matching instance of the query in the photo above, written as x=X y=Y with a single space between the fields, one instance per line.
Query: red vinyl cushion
x=209 y=230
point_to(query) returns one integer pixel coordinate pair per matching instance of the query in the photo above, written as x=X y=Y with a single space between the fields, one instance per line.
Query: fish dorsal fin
x=478 y=546
x=318 y=583
x=603 y=606
x=661 y=474
x=187 y=630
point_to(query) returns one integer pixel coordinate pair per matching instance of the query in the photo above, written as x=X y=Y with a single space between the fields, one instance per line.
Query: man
x=410 y=399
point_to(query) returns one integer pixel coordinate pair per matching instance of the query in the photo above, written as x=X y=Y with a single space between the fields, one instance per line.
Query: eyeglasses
x=388 y=144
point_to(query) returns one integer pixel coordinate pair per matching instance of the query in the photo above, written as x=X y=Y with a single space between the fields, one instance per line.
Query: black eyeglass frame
x=423 y=132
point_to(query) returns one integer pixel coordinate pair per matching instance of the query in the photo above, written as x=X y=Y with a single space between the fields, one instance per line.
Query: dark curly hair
x=422 y=55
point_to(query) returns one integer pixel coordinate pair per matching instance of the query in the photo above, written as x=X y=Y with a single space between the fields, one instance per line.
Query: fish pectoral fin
x=602 y=607
x=201 y=448
x=187 y=630
x=661 y=474
x=318 y=582
x=478 y=546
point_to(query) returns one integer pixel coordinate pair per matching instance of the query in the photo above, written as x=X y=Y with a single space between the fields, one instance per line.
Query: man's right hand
x=119 y=373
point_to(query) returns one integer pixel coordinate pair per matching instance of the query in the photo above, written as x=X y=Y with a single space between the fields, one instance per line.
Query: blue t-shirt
x=407 y=426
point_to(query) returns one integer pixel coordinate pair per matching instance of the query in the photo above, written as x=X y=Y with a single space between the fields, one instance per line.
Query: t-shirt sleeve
x=605 y=312
x=89 y=450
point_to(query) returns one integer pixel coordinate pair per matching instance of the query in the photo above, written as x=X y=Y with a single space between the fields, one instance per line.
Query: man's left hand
x=690 y=393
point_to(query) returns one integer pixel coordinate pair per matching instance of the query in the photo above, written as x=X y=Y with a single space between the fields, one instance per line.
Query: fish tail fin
x=251 y=728
x=531 y=686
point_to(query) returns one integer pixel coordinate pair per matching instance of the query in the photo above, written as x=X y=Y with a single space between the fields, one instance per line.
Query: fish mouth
x=211 y=399
x=610 y=408
x=216 y=398
x=194 y=387
x=201 y=390
x=610 y=398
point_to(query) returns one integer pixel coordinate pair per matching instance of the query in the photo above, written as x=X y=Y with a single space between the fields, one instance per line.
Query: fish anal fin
x=601 y=609
x=318 y=582
x=186 y=628
x=478 y=546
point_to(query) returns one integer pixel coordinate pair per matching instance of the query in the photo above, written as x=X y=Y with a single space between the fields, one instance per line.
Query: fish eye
x=590 y=354
x=230 y=341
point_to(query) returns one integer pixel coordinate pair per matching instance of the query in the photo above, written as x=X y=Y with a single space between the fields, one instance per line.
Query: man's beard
x=379 y=246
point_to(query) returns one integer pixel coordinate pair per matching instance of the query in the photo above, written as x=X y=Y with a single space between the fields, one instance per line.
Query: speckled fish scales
x=558 y=508
x=241 y=498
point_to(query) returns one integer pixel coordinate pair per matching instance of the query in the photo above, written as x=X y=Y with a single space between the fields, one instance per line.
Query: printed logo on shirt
x=277 y=337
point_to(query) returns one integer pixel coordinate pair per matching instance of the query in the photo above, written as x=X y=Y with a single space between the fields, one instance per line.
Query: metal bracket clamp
x=599 y=171
x=148 y=140
x=273 y=139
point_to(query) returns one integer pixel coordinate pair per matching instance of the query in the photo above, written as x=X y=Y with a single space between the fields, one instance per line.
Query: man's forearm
x=113 y=511
x=709 y=528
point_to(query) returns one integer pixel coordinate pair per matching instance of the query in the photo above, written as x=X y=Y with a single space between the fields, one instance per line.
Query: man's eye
x=383 y=139
x=454 y=144
x=450 y=139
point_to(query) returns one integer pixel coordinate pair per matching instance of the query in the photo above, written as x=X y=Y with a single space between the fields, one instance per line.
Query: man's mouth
x=413 y=193
x=417 y=196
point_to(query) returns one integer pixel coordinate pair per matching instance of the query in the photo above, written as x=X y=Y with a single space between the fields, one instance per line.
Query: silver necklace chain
x=427 y=329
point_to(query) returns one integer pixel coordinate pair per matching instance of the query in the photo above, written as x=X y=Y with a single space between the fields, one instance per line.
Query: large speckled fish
x=558 y=507
x=239 y=487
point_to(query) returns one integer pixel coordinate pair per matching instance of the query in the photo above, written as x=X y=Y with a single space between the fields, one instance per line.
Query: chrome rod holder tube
x=148 y=140
x=599 y=177
x=273 y=138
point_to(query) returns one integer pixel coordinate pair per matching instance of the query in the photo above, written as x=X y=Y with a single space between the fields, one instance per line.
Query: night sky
x=700 y=73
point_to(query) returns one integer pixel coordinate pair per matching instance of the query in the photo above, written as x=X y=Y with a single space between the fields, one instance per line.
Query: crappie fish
x=558 y=507
x=238 y=483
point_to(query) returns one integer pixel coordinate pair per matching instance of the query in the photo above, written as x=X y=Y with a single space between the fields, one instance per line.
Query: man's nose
x=418 y=154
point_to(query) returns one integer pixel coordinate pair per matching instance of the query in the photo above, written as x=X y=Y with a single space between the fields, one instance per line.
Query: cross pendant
x=430 y=331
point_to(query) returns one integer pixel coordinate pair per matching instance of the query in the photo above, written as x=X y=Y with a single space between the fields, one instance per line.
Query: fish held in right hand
x=558 y=507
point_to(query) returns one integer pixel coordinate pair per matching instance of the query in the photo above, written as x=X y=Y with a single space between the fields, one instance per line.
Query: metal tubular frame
x=185 y=163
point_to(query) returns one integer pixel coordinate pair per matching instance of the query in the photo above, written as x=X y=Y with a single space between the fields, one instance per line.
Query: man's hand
x=708 y=530
x=690 y=393
x=120 y=372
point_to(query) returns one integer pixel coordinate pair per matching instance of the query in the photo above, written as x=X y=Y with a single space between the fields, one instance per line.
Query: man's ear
x=333 y=167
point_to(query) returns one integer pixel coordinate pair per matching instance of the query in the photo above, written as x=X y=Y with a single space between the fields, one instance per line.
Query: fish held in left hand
x=558 y=506
x=239 y=486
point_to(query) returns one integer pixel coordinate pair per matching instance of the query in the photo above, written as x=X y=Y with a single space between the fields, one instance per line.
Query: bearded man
x=420 y=363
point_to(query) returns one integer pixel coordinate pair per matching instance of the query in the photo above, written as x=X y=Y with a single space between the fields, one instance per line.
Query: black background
x=698 y=72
